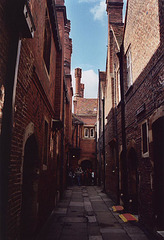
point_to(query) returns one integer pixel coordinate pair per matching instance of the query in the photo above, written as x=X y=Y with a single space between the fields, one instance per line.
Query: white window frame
x=92 y=136
x=129 y=68
x=118 y=85
x=145 y=154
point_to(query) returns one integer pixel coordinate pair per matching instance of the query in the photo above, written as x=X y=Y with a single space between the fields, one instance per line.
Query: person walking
x=79 y=172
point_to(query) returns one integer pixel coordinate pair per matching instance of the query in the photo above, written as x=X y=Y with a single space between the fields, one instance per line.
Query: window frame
x=145 y=154
x=118 y=86
x=92 y=136
x=86 y=129
x=129 y=67
x=47 y=43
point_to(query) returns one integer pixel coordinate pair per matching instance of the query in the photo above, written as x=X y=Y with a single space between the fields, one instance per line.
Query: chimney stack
x=59 y=2
x=78 y=75
x=114 y=10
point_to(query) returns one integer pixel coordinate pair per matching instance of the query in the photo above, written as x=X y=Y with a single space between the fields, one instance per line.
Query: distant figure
x=78 y=173
x=70 y=177
x=93 y=177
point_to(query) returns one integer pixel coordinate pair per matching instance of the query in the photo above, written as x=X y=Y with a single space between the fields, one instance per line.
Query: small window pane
x=92 y=132
x=129 y=68
x=86 y=132
x=144 y=138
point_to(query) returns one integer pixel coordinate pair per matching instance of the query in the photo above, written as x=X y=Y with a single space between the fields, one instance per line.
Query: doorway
x=158 y=149
x=86 y=164
x=132 y=181
x=29 y=189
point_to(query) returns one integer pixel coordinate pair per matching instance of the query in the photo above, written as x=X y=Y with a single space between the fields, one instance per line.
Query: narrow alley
x=82 y=103
x=85 y=212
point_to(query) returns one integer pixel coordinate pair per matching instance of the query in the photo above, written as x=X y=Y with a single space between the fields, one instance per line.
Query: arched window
x=47 y=43
x=129 y=68
x=86 y=132
x=92 y=133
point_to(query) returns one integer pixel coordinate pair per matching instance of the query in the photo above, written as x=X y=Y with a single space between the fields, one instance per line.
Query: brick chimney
x=59 y=2
x=82 y=90
x=114 y=10
x=78 y=74
x=67 y=48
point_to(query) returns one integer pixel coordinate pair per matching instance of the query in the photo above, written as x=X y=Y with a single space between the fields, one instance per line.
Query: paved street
x=85 y=213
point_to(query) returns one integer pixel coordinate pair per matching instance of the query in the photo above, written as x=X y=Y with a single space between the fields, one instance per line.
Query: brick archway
x=86 y=164
x=29 y=188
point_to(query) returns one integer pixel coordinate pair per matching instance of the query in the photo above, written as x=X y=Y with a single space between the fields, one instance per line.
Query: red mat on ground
x=126 y=217
x=117 y=208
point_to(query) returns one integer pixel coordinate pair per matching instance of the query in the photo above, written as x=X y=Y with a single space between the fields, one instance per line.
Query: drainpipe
x=116 y=136
x=103 y=102
x=124 y=150
x=7 y=125
x=99 y=145
x=62 y=145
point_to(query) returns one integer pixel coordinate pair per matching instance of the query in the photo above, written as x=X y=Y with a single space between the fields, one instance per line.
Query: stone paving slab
x=133 y=229
x=86 y=199
x=88 y=206
x=74 y=231
x=105 y=218
x=93 y=229
x=99 y=237
x=112 y=230
x=91 y=219
x=99 y=206
x=85 y=194
x=138 y=237
x=60 y=211
x=85 y=213
x=115 y=236
x=74 y=219
x=76 y=204
x=97 y=200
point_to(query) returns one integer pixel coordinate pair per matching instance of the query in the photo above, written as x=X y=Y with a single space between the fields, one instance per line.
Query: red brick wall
x=147 y=70
x=35 y=102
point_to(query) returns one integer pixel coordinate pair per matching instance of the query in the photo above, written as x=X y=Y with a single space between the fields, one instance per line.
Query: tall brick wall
x=143 y=101
x=143 y=36
x=39 y=98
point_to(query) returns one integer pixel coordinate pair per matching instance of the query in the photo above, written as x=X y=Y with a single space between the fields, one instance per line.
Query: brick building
x=109 y=124
x=84 y=132
x=134 y=116
x=35 y=108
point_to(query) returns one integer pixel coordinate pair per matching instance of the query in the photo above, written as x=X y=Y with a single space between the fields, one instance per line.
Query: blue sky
x=89 y=37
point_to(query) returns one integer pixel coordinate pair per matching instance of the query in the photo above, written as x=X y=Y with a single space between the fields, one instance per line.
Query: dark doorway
x=29 y=189
x=86 y=164
x=158 y=148
x=121 y=179
x=132 y=181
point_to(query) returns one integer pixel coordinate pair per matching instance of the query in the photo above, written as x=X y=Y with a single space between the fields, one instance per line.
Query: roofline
x=125 y=20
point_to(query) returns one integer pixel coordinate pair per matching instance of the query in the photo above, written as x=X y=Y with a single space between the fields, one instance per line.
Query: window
x=47 y=43
x=118 y=86
x=92 y=133
x=145 y=143
x=86 y=132
x=129 y=68
x=45 y=155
